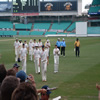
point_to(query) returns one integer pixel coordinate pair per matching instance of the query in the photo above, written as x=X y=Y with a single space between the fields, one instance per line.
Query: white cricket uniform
x=23 y=58
x=34 y=44
x=19 y=49
x=56 y=53
x=47 y=45
x=26 y=45
x=36 y=60
x=16 y=45
x=31 y=50
x=40 y=46
x=43 y=56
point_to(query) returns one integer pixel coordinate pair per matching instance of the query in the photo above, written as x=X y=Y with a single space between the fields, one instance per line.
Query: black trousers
x=63 y=51
x=77 y=51
x=58 y=48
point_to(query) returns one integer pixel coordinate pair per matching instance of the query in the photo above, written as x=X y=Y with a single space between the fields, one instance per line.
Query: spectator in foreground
x=98 y=87
x=25 y=91
x=9 y=84
x=11 y=72
x=3 y=73
x=46 y=95
x=16 y=67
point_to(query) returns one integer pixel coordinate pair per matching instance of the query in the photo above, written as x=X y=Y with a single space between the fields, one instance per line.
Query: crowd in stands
x=16 y=85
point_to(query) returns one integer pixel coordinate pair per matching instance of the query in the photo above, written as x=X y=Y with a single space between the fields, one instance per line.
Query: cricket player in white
x=43 y=60
x=23 y=57
x=36 y=59
x=31 y=49
x=26 y=45
x=34 y=44
x=40 y=44
x=16 y=45
x=47 y=47
x=56 y=53
x=19 y=48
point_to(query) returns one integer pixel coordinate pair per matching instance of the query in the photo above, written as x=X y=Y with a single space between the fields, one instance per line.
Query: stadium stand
x=23 y=26
x=50 y=33
x=94 y=9
x=6 y=24
x=24 y=32
x=41 y=25
x=96 y=2
x=62 y=33
x=8 y=32
x=61 y=26
x=36 y=33
x=93 y=30
x=72 y=27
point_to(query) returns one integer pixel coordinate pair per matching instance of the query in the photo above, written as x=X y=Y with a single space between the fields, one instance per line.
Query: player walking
x=56 y=53
x=16 y=45
x=31 y=49
x=23 y=57
x=36 y=59
x=40 y=44
x=43 y=60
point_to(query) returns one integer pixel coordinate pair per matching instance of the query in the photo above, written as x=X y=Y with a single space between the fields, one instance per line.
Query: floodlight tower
x=79 y=7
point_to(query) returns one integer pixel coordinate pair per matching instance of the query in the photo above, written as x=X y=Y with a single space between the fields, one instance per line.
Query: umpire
x=77 y=47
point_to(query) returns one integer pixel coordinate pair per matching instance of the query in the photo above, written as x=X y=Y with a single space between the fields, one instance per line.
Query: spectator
x=8 y=86
x=15 y=67
x=45 y=96
x=3 y=73
x=11 y=72
x=25 y=91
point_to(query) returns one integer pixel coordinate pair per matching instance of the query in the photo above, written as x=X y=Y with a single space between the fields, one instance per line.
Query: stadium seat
x=7 y=32
x=96 y=2
x=50 y=33
x=41 y=25
x=61 y=26
x=94 y=9
x=36 y=33
x=23 y=26
x=93 y=30
x=72 y=27
x=24 y=32
x=6 y=24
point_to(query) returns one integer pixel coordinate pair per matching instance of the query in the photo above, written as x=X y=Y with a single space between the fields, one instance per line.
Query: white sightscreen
x=81 y=28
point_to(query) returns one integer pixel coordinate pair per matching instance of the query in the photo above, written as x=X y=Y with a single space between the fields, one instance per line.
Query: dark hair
x=8 y=86
x=77 y=39
x=3 y=72
x=25 y=91
x=11 y=72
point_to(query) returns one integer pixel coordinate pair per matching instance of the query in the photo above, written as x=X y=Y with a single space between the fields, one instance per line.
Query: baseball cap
x=22 y=75
x=16 y=65
x=63 y=39
x=46 y=87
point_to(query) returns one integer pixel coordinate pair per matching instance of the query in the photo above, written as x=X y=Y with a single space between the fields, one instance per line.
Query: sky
x=84 y=2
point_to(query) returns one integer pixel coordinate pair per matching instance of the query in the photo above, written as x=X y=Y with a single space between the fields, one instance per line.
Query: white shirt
x=56 y=52
x=43 y=55
x=23 y=52
x=36 y=53
x=16 y=44
x=34 y=44
x=20 y=45
x=26 y=45
x=30 y=45
x=47 y=45
x=40 y=44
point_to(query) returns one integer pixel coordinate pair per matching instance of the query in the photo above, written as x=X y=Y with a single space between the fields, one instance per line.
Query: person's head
x=8 y=85
x=21 y=75
x=20 y=41
x=77 y=39
x=25 y=41
x=48 y=41
x=11 y=72
x=63 y=39
x=45 y=96
x=16 y=67
x=55 y=46
x=23 y=45
x=34 y=40
x=25 y=91
x=42 y=47
x=58 y=39
x=39 y=40
x=31 y=41
x=16 y=39
x=36 y=47
x=3 y=72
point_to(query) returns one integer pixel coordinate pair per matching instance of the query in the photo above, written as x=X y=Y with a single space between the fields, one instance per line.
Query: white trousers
x=44 y=70
x=37 y=67
x=24 y=64
x=56 y=63
x=30 y=54
x=16 y=54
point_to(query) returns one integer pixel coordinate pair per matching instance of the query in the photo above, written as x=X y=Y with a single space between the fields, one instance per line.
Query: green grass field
x=76 y=78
